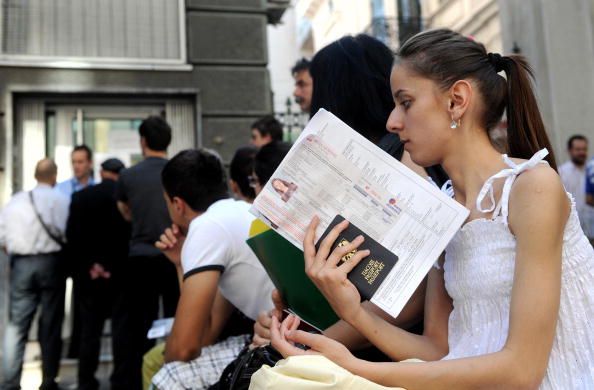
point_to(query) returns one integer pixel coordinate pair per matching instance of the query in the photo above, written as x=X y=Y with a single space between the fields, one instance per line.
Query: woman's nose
x=394 y=123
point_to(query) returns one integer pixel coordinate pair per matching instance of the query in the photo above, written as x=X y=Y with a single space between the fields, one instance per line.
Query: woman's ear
x=459 y=99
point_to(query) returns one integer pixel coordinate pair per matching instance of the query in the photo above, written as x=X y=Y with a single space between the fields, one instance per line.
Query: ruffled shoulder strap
x=510 y=175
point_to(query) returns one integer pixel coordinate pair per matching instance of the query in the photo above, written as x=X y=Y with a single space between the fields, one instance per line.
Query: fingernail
x=360 y=238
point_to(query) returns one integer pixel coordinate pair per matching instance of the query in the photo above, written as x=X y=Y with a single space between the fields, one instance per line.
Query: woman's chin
x=420 y=160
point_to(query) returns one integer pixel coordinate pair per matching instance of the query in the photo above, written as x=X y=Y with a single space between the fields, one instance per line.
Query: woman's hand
x=330 y=278
x=284 y=336
x=264 y=321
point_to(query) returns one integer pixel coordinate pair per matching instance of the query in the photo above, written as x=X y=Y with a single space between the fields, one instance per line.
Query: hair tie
x=497 y=61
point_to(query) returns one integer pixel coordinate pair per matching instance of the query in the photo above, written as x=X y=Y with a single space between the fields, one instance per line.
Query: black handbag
x=238 y=373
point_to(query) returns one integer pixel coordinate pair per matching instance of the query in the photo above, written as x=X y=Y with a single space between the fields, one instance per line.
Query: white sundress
x=479 y=271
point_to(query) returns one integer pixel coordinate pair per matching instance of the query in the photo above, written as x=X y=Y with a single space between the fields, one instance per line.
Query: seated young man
x=207 y=244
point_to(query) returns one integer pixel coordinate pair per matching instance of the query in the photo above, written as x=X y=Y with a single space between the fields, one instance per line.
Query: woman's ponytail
x=526 y=133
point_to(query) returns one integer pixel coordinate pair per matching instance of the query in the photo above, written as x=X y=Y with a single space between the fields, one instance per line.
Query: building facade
x=320 y=22
x=89 y=71
x=477 y=18
x=74 y=71
x=556 y=37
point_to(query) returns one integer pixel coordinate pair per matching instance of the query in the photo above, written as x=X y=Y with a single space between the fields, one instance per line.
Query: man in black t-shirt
x=140 y=200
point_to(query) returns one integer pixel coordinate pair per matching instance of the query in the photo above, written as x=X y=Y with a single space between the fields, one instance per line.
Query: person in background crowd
x=266 y=161
x=590 y=197
x=303 y=84
x=573 y=175
x=98 y=238
x=139 y=195
x=240 y=169
x=82 y=168
x=351 y=79
x=265 y=130
x=207 y=244
x=32 y=227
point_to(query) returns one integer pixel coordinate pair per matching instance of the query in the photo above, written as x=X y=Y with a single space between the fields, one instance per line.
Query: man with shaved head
x=32 y=227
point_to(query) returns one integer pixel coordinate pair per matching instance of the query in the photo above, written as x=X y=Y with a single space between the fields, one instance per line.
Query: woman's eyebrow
x=398 y=92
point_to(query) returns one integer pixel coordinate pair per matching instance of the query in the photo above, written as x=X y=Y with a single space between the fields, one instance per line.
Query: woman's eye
x=405 y=104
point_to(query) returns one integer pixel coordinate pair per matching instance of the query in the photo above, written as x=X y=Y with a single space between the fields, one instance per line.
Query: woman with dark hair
x=510 y=306
x=351 y=79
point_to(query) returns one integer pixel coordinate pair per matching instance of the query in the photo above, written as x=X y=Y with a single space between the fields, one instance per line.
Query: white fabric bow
x=510 y=175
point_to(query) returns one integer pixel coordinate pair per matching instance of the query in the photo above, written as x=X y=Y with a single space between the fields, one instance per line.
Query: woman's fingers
x=295 y=324
x=352 y=262
x=326 y=244
x=349 y=250
x=262 y=330
x=314 y=341
x=286 y=324
x=259 y=341
x=279 y=305
x=309 y=247
x=280 y=343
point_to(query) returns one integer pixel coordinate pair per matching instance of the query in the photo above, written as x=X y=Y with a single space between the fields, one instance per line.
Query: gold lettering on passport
x=372 y=270
x=346 y=257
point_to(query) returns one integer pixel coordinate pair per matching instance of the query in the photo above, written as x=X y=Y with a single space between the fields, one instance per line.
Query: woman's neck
x=470 y=164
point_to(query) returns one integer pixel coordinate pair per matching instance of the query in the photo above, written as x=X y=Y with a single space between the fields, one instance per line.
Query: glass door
x=110 y=131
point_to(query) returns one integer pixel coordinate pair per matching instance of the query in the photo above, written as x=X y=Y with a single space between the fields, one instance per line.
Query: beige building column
x=557 y=38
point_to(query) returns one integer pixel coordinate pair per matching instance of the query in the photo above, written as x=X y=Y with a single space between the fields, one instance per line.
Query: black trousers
x=149 y=280
x=99 y=300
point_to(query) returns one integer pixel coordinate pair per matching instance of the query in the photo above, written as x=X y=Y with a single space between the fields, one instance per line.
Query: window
x=121 y=33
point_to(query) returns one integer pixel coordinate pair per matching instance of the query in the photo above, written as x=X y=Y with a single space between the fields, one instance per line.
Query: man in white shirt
x=207 y=245
x=573 y=175
x=32 y=227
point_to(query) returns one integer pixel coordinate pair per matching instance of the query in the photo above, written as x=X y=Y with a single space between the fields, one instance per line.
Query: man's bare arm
x=192 y=317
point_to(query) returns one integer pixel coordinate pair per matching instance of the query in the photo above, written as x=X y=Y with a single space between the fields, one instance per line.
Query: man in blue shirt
x=590 y=194
x=82 y=165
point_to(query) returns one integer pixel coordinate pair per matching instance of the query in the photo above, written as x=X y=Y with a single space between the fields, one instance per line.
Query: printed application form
x=333 y=170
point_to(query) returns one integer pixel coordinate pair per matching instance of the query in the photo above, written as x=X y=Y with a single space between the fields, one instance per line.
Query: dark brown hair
x=445 y=57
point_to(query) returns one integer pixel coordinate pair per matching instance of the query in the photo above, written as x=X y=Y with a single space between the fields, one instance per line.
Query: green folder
x=284 y=264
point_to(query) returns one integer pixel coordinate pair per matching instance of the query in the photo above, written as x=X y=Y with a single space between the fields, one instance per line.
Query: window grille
x=96 y=31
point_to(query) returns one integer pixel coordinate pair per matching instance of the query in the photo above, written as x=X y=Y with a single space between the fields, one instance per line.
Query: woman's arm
x=409 y=316
x=538 y=210
x=342 y=331
x=399 y=344
x=538 y=213
x=332 y=281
